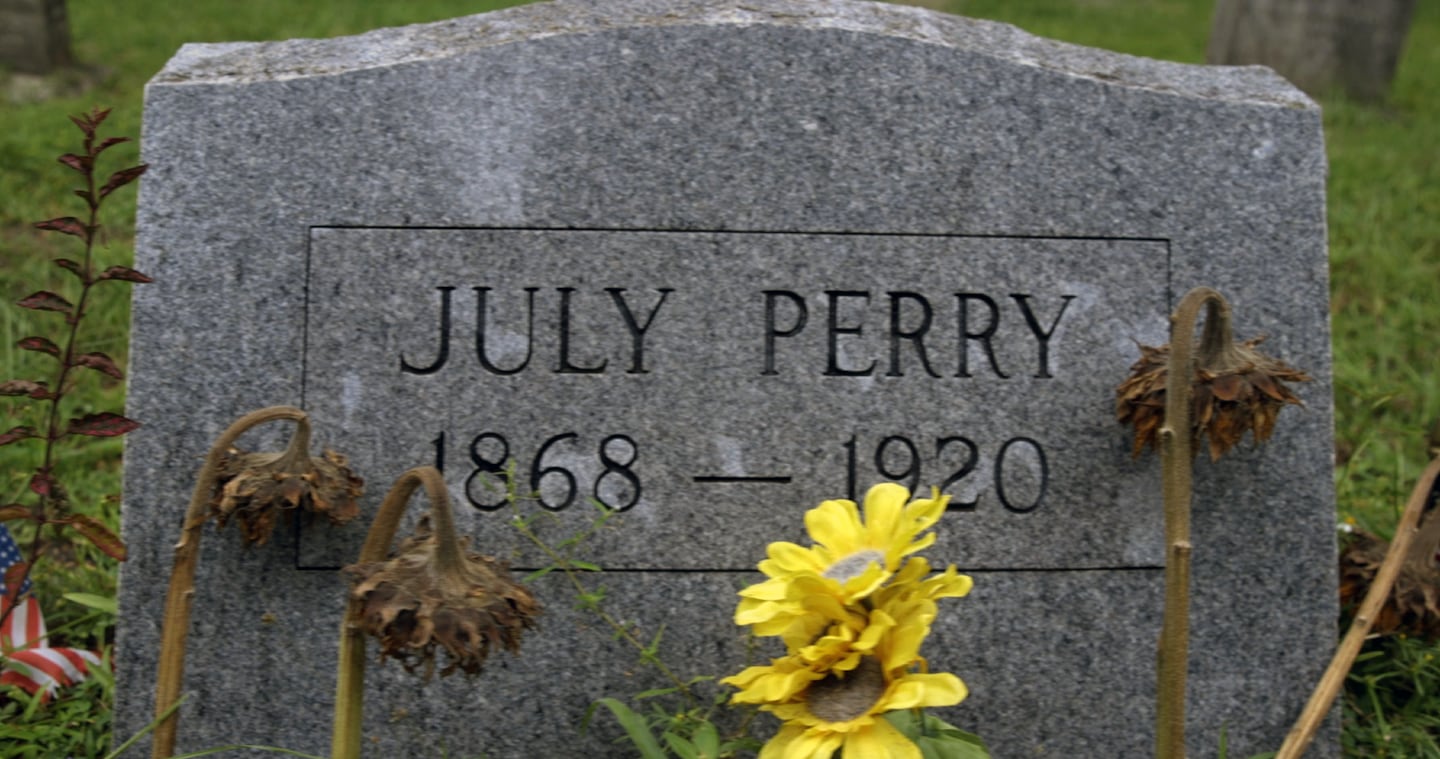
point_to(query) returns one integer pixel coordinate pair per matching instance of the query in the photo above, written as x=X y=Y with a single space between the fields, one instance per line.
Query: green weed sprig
x=52 y=510
x=686 y=728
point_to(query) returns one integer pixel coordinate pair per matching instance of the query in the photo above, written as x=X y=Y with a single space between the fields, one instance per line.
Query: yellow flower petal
x=881 y=741
x=773 y=589
x=776 y=747
x=903 y=646
x=939 y=689
x=884 y=505
x=949 y=584
x=925 y=512
x=835 y=525
x=788 y=558
x=749 y=612
x=814 y=744
x=880 y=625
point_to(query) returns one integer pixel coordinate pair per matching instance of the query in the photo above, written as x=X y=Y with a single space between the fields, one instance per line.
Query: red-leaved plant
x=51 y=510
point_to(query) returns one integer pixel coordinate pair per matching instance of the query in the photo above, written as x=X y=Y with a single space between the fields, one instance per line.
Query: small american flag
x=10 y=555
x=26 y=658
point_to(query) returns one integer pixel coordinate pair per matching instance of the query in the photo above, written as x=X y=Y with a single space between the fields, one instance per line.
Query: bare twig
x=1320 y=701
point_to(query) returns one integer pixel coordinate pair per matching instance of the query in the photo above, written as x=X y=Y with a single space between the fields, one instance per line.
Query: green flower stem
x=1176 y=460
x=621 y=631
x=449 y=556
x=182 y=577
x=1406 y=533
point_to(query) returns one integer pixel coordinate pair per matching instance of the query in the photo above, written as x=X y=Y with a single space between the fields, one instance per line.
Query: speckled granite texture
x=712 y=262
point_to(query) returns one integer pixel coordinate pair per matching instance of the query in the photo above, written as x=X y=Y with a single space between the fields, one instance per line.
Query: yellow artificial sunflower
x=845 y=710
x=839 y=649
x=852 y=557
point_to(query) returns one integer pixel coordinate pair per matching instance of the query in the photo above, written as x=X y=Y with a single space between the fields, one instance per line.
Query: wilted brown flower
x=254 y=488
x=414 y=603
x=1413 y=606
x=1236 y=389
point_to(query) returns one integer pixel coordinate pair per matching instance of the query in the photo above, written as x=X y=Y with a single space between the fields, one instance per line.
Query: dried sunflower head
x=415 y=605
x=1236 y=389
x=1413 y=606
x=254 y=488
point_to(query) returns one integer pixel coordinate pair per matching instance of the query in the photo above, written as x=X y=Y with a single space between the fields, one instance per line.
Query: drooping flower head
x=255 y=489
x=416 y=605
x=1235 y=389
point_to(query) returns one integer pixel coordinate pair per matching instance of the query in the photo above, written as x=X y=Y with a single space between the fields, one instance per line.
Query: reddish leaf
x=67 y=224
x=39 y=345
x=121 y=178
x=109 y=141
x=15 y=580
x=85 y=196
x=16 y=434
x=104 y=424
x=125 y=273
x=79 y=163
x=108 y=542
x=71 y=266
x=15 y=511
x=47 y=301
x=89 y=121
x=100 y=363
x=42 y=484
x=37 y=390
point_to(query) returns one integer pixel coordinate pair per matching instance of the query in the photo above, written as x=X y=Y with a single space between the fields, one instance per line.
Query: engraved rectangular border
x=298 y=529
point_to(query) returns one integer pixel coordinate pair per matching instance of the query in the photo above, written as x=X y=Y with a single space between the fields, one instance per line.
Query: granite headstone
x=708 y=264
x=34 y=36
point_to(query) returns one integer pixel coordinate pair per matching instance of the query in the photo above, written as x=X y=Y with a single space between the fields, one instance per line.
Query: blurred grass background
x=1384 y=229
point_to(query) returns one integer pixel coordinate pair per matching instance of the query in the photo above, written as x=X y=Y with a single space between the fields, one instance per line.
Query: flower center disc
x=837 y=699
x=853 y=565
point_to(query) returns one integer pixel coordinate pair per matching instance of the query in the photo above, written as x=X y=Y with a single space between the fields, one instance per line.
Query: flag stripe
x=25 y=627
x=49 y=668
x=26 y=659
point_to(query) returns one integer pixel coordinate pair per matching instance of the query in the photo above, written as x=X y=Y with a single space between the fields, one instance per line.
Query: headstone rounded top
x=241 y=62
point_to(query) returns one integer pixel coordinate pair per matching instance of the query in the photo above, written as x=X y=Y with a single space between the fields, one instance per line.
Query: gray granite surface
x=731 y=258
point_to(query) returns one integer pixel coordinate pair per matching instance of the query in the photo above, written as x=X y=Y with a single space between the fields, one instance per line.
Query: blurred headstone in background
x=34 y=36
x=1319 y=45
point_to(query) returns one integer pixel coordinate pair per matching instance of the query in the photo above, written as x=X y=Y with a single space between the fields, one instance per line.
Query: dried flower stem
x=1320 y=701
x=182 y=576
x=1176 y=440
x=350 y=678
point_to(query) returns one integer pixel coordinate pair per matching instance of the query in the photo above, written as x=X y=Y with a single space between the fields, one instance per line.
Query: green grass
x=1391 y=710
x=1385 y=266
x=1173 y=30
x=1384 y=226
x=70 y=725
